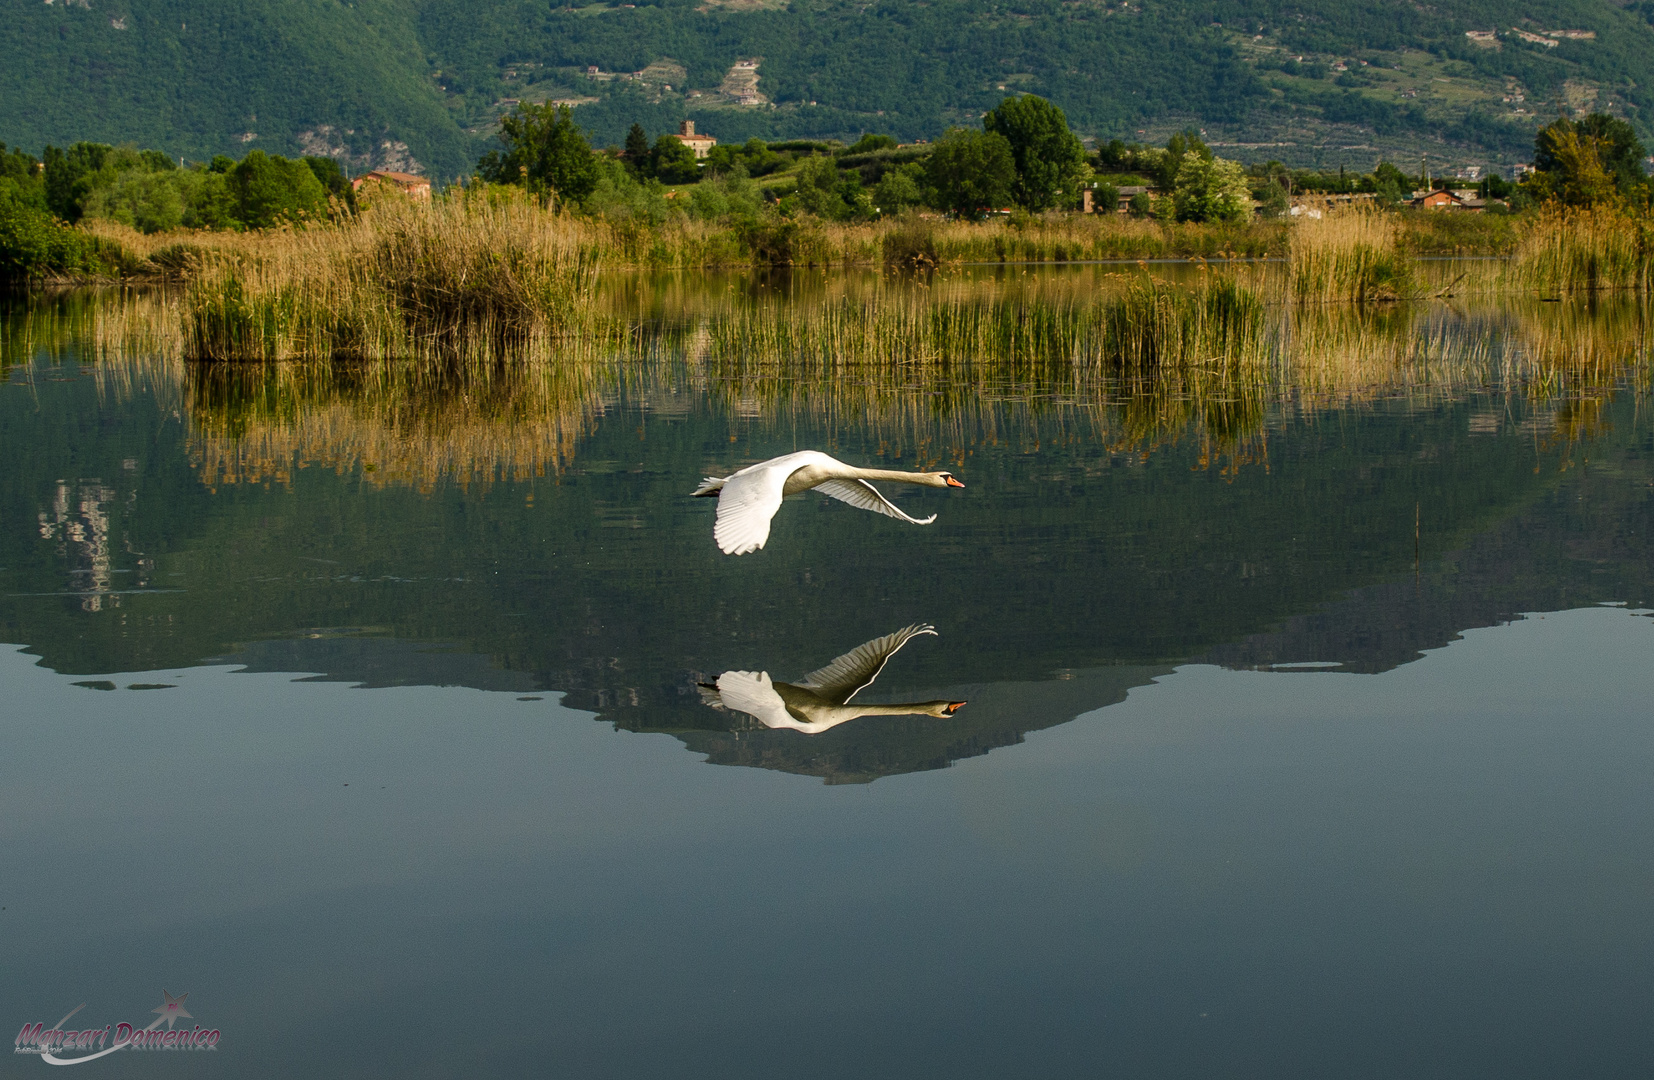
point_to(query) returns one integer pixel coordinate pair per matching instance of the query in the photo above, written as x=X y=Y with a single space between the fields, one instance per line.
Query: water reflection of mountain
x=1072 y=553
x=1584 y=538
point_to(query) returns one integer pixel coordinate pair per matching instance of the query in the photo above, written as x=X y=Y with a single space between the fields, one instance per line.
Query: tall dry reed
x=1564 y=251
x=1350 y=257
x=468 y=275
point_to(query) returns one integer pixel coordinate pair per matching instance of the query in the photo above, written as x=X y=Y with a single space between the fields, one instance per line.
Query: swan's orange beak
x=954 y=706
x=954 y=483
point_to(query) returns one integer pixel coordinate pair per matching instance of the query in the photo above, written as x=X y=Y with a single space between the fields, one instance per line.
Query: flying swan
x=821 y=699
x=748 y=499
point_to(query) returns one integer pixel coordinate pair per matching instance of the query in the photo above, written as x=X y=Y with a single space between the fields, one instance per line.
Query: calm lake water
x=377 y=720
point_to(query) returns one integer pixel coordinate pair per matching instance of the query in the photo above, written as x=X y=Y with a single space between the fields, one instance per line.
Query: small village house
x=1443 y=199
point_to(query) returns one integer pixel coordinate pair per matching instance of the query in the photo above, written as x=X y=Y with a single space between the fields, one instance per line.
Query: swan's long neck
x=910 y=708
x=890 y=474
x=825 y=718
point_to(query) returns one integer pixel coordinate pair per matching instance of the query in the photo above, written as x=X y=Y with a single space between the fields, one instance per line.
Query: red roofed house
x=414 y=187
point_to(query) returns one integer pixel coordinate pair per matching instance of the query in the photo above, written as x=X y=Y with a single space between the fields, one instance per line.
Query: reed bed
x=923 y=369
x=1351 y=257
x=1072 y=238
x=1147 y=324
x=1567 y=251
x=465 y=277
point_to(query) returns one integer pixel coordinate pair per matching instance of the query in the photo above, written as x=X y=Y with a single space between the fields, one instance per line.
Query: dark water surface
x=1322 y=751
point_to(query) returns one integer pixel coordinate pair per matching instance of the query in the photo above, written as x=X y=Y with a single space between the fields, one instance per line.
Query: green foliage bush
x=830 y=193
x=621 y=196
x=673 y=162
x=36 y=246
x=732 y=197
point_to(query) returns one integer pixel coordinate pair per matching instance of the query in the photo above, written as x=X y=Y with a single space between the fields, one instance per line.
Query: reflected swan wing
x=746 y=504
x=864 y=496
x=753 y=693
x=856 y=669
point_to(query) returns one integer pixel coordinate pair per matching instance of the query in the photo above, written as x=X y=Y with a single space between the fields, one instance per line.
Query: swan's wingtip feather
x=731 y=545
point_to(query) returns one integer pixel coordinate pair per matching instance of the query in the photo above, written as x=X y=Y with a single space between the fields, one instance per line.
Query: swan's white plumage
x=839 y=680
x=746 y=503
x=864 y=496
x=754 y=694
x=749 y=498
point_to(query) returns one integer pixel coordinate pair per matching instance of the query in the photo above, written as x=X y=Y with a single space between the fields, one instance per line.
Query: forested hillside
x=420 y=83
x=201 y=77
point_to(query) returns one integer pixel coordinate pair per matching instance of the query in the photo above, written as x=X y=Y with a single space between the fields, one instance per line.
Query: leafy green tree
x=148 y=201
x=1049 y=159
x=970 y=171
x=333 y=179
x=637 y=152
x=827 y=192
x=900 y=188
x=69 y=177
x=673 y=162
x=1390 y=183
x=759 y=158
x=1272 y=200
x=155 y=161
x=21 y=180
x=1212 y=189
x=725 y=158
x=270 y=190
x=1586 y=162
x=544 y=152
x=208 y=201
x=1168 y=164
x=1105 y=199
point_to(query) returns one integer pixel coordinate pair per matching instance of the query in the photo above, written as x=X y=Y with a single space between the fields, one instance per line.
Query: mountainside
x=200 y=77
x=419 y=83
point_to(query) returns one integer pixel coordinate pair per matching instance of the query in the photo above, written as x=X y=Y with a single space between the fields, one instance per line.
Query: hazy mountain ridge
x=417 y=84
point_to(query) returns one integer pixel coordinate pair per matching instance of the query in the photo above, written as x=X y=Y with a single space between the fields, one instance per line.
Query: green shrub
x=35 y=246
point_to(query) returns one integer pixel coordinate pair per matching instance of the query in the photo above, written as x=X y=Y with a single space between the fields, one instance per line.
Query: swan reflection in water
x=821 y=700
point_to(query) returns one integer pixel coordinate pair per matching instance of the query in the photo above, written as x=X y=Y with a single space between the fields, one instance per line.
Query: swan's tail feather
x=712 y=485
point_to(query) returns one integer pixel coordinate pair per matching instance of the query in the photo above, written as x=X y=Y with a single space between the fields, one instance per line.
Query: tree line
x=1024 y=156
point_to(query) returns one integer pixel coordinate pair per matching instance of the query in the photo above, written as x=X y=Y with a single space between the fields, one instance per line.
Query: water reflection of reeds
x=921 y=371
x=403 y=425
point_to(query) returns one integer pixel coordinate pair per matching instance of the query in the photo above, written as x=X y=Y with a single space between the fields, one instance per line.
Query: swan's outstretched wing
x=864 y=496
x=754 y=694
x=746 y=503
x=856 y=669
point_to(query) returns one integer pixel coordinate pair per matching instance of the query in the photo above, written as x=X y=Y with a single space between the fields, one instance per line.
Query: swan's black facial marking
x=951 y=481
